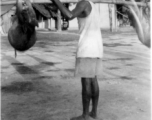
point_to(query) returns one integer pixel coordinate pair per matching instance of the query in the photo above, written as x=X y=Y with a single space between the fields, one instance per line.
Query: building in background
x=47 y=17
x=107 y=17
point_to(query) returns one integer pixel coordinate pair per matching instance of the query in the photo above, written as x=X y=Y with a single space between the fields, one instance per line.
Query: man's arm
x=80 y=7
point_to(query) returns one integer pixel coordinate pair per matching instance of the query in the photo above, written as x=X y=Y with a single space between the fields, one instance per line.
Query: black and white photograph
x=75 y=59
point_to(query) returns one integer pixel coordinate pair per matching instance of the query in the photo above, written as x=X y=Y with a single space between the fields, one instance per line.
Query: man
x=89 y=53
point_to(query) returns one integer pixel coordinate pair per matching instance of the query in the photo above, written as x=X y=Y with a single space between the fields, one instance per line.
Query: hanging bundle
x=22 y=33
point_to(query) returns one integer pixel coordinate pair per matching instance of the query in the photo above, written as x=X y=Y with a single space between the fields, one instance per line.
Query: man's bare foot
x=82 y=118
x=93 y=115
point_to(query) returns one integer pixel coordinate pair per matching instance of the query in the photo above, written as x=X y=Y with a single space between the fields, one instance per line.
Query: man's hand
x=79 y=9
x=66 y=13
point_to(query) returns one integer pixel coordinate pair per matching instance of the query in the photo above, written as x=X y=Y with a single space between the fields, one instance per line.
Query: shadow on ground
x=18 y=87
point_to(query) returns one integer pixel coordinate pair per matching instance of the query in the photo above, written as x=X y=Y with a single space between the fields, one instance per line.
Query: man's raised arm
x=80 y=7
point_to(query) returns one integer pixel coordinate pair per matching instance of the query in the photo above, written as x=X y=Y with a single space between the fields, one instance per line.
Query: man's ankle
x=85 y=115
x=93 y=114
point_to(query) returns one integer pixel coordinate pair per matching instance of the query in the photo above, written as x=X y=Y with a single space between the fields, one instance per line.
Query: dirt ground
x=39 y=83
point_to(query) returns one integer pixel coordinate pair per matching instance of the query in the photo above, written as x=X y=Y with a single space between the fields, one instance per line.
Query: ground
x=39 y=83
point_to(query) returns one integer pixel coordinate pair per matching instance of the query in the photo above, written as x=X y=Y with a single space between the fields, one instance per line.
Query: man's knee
x=95 y=87
x=86 y=87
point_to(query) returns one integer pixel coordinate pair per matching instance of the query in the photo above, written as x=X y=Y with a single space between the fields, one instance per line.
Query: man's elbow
x=69 y=17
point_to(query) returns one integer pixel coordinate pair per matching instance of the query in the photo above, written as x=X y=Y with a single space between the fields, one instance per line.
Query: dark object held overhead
x=22 y=34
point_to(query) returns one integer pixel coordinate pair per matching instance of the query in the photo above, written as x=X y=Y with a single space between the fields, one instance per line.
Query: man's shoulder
x=83 y=3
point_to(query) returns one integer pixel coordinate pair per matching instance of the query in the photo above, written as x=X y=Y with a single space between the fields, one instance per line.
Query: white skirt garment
x=88 y=67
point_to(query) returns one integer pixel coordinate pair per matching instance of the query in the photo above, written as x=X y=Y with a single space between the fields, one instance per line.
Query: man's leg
x=95 y=97
x=86 y=97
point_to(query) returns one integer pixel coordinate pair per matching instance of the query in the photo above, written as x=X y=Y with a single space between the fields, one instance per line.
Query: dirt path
x=39 y=84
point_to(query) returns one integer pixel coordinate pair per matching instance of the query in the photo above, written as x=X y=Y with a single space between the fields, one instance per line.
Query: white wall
x=73 y=24
x=104 y=16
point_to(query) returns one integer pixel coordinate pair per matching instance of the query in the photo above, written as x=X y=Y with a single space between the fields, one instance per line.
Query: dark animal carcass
x=22 y=33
